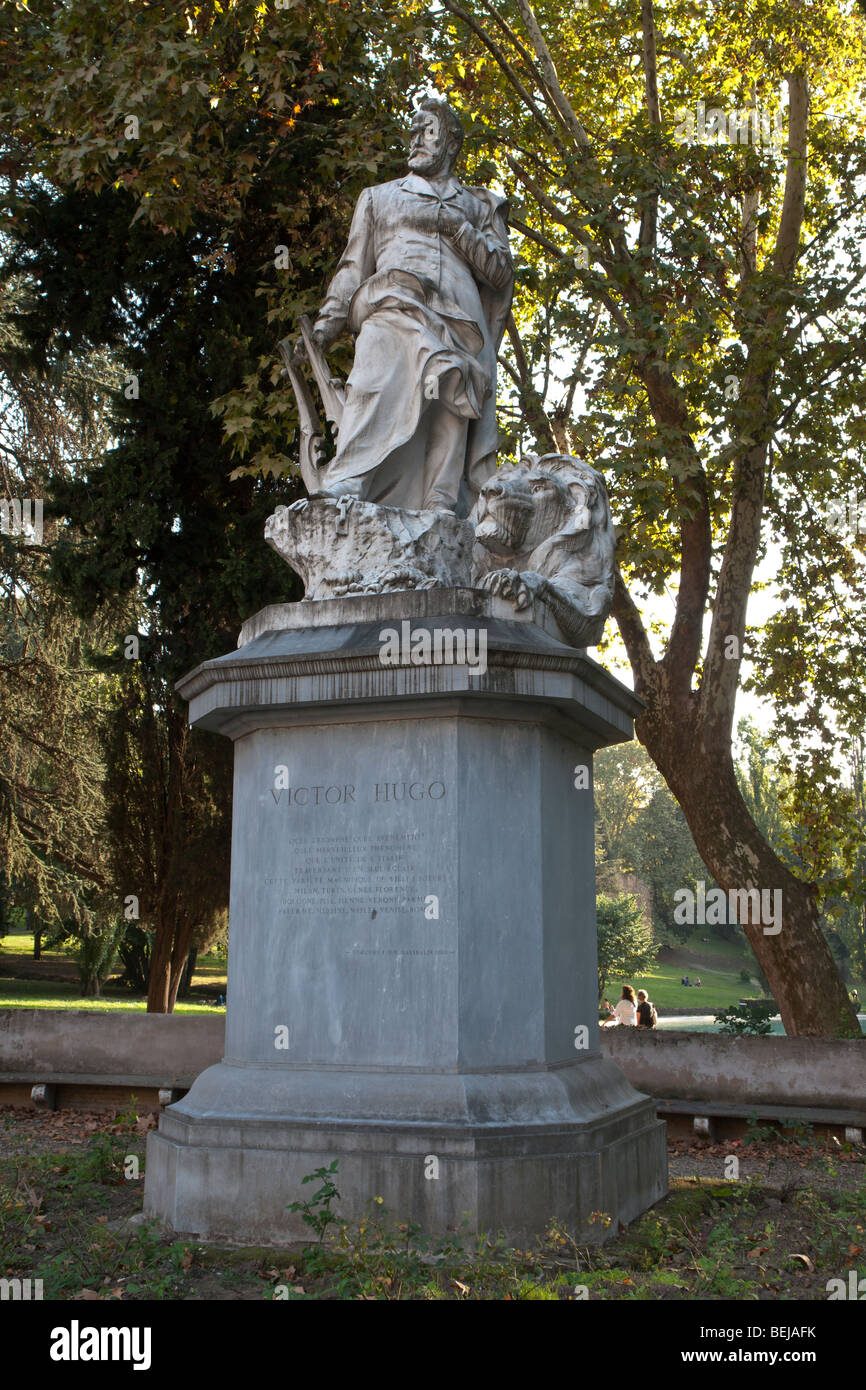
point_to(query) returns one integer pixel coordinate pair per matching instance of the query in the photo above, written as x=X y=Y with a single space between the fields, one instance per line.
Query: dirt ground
x=771 y=1218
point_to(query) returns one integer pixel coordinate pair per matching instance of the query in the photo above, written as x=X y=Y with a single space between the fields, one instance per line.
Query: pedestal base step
x=232 y=1176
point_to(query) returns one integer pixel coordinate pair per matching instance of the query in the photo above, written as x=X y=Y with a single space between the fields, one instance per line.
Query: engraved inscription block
x=332 y=874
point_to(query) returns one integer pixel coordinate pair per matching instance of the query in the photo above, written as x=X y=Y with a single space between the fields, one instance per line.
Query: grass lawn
x=719 y=988
x=54 y=994
x=210 y=972
x=16 y=942
x=721 y=985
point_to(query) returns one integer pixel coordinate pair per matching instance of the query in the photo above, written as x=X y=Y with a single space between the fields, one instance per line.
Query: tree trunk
x=188 y=971
x=158 y=985
x=797 y=961
x=179 y=954
x=160 y=999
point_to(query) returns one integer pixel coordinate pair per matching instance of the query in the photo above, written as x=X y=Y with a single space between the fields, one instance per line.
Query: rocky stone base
x=340 y=546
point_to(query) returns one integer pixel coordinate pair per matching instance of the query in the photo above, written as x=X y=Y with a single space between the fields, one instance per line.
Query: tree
x=168 y=814
x=171 y=200
x=707 y=299
x=820 y=836
x=624 y=780
x=52 y=697
x=95 y=955
x=668 y=860
x=641 y=831
x=845 y=889
x=625 y=939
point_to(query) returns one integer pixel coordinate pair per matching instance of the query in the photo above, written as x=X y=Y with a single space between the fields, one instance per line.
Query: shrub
x=748 y=1016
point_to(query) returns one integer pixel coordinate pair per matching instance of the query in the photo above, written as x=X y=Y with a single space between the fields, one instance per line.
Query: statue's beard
x=429 y=165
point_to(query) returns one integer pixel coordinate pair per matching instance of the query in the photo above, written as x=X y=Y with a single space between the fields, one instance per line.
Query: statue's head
x=436 y=137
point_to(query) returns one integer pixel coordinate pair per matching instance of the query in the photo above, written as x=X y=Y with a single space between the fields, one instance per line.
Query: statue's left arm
x=486 y=248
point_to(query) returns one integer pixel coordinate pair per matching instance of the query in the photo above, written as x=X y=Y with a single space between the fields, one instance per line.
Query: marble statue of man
x=425 y=286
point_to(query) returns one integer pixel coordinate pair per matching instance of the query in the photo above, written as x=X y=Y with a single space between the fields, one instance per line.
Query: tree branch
x=722 y=670
x=548 y=67
x=634 y=635
x=794 y=201
x=496 y=51
x=531 y=401
x=649 y=217
x=526 y=56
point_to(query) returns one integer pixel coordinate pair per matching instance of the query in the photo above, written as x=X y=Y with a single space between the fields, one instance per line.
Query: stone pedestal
x=412 y=956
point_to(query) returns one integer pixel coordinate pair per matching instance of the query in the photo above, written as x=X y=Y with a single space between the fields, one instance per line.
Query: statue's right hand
x=323 y=336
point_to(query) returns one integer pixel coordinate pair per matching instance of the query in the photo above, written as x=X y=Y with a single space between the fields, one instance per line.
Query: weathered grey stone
x=341 y=547
x=286 y=668
x=86 y=1045
x=425 y=286
x=230 y=1175
x=545 y=539
x=412 y=942
x=387 y=608
x=543 y=543
x=745 y=1071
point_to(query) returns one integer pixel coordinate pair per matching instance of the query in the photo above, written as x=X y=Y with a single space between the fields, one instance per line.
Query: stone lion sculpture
x=544 y=534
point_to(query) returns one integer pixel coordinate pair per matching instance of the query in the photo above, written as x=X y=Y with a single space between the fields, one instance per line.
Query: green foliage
x=145 y=203
x=52 y=697
x=748 y=1016
x=625 y=939
x=624 y=781
x=641 y=830
x=134 y=952
x=96 y=954
x=668 y=860
x=316 y=1211
x=229 y=134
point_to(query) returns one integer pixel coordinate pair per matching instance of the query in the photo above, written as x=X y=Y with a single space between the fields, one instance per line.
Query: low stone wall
x=815 y=1073
x=82 y=1048
x=60 y=1045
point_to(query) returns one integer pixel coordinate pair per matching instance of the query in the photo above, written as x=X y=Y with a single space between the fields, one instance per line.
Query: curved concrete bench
x=85 y=1057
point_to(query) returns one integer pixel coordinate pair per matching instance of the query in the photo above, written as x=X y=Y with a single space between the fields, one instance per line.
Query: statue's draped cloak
x=419 y=425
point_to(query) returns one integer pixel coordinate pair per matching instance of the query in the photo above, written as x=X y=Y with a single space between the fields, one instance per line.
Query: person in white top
x=625 y=1011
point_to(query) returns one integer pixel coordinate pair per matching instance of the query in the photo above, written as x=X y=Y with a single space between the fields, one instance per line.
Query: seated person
x=625 y=1011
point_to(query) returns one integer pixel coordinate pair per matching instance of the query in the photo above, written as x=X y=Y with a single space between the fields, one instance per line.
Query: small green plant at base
x=127 y=1120
x=529 y=1292
x=316 y=1213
